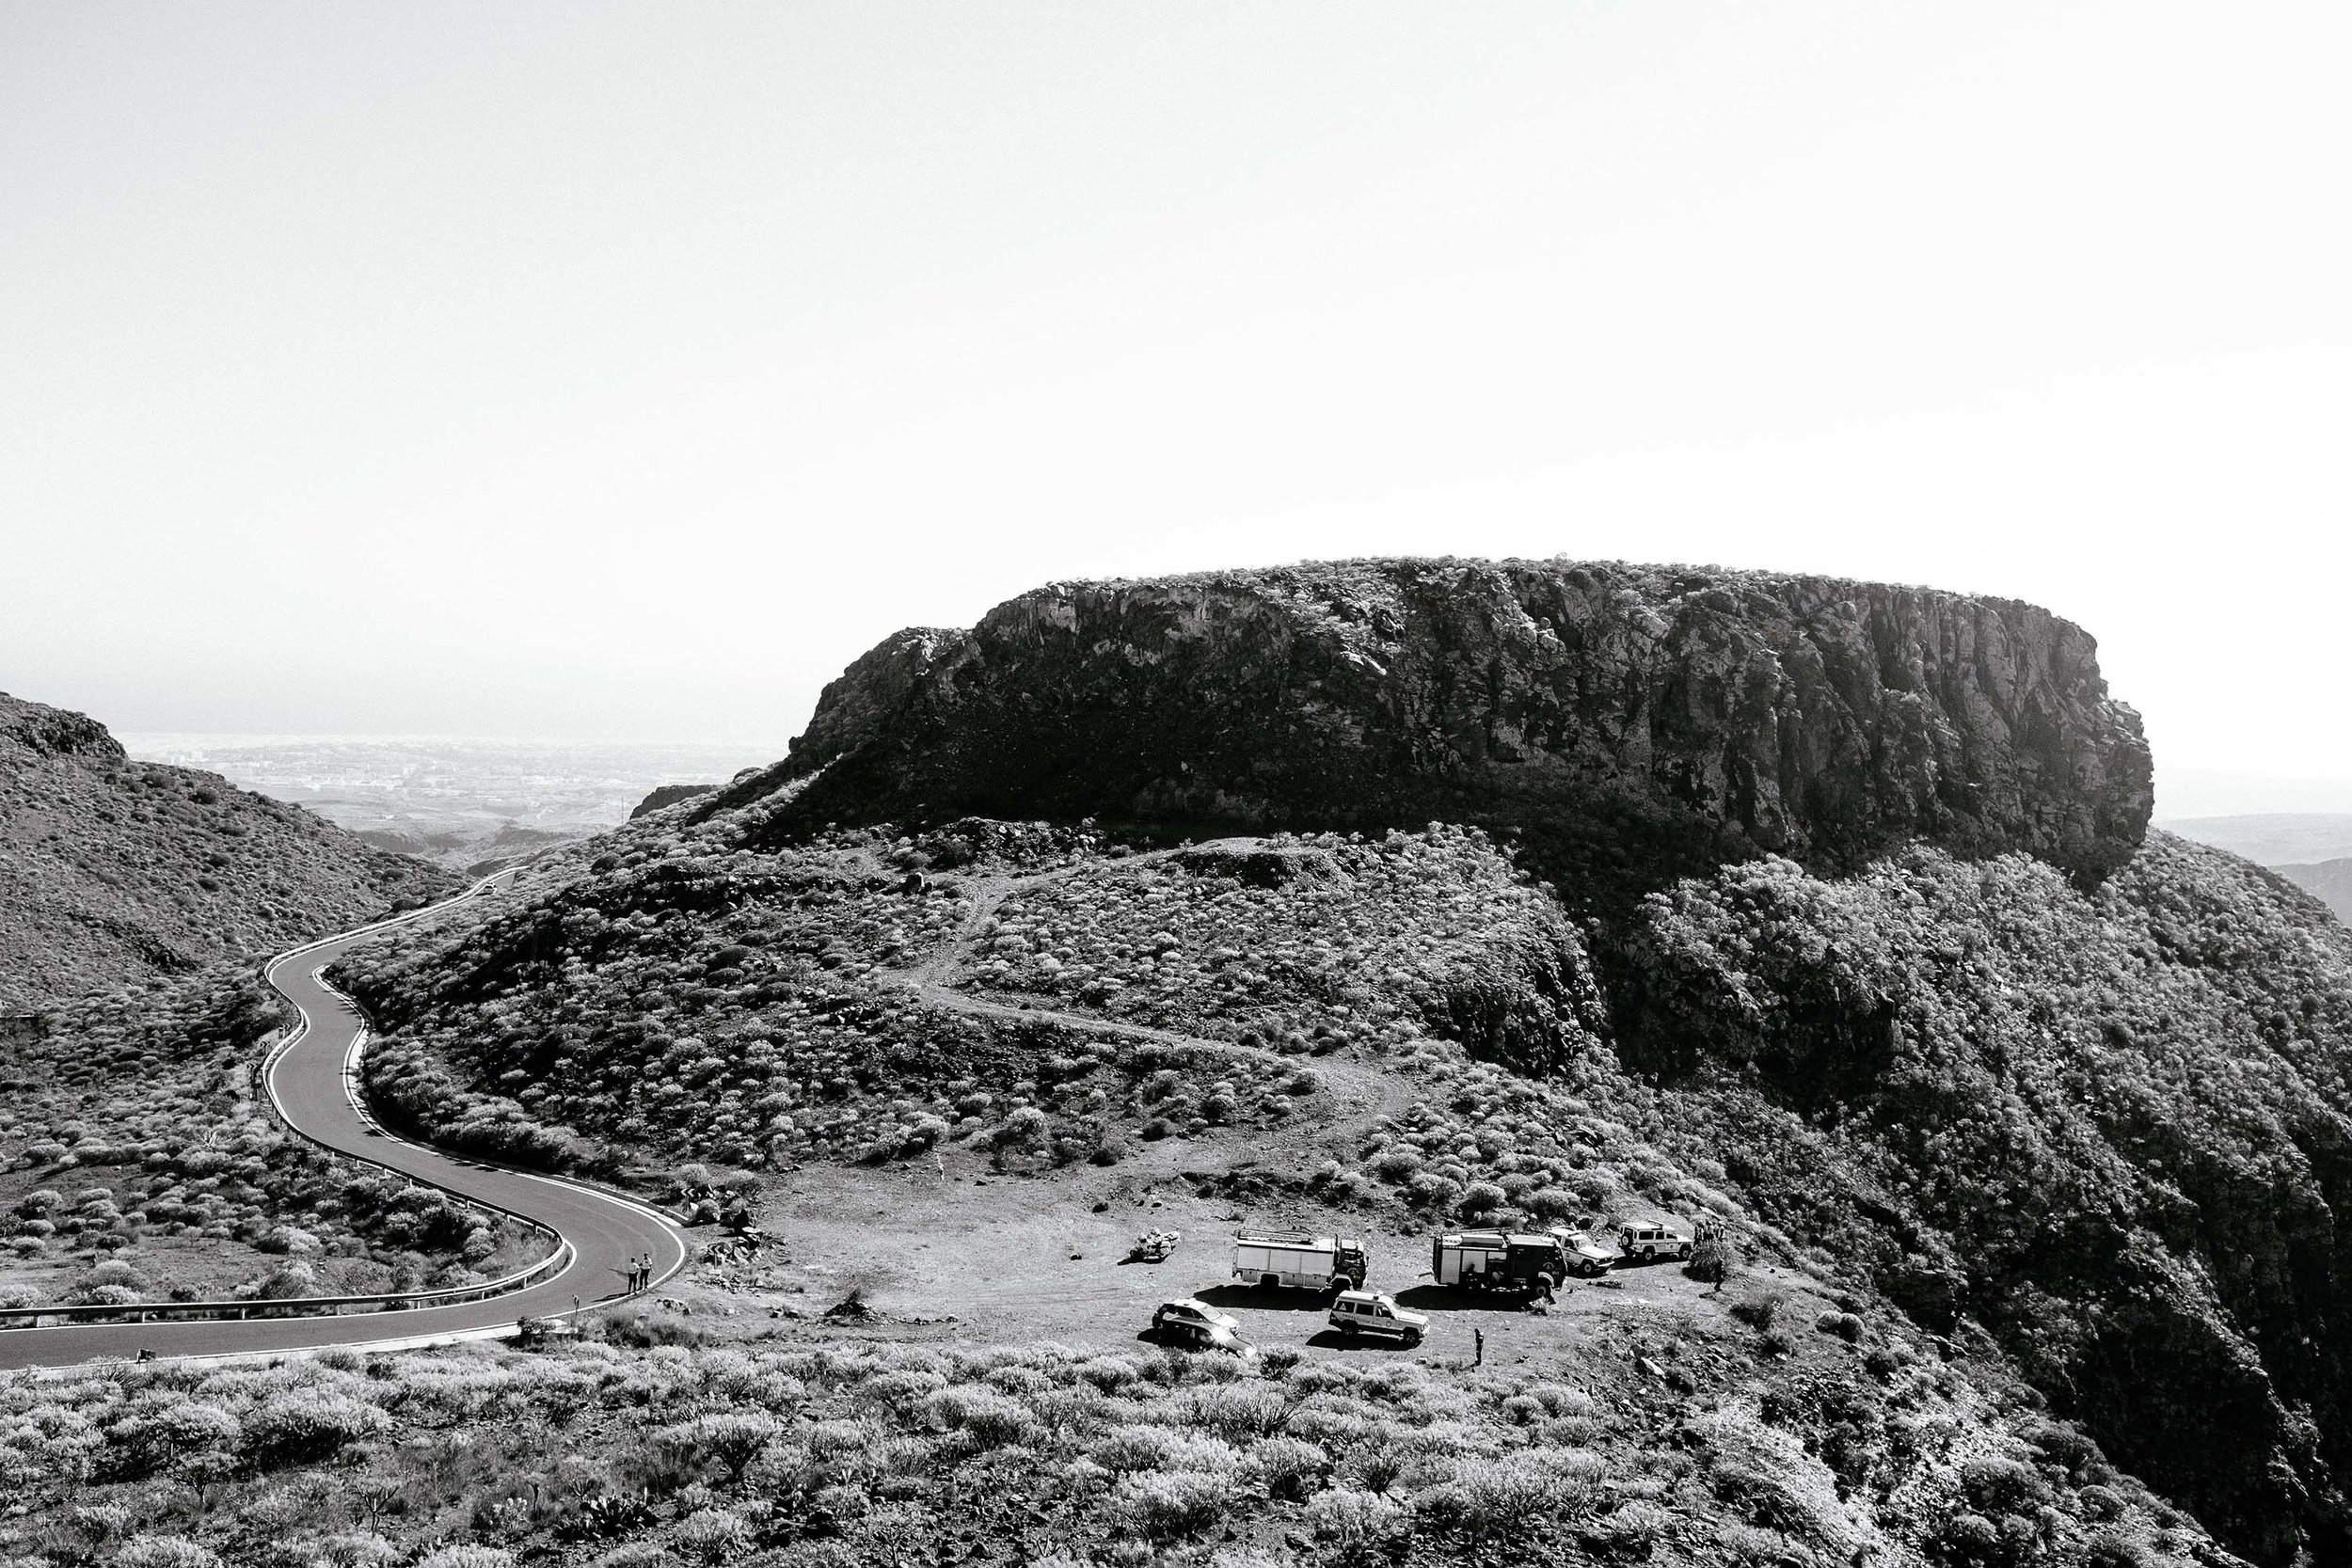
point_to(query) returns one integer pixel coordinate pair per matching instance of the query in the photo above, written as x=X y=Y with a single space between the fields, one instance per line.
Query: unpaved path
x=1354 y=1095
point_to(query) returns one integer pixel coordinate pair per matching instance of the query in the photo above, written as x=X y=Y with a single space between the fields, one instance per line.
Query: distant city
x=454 y=800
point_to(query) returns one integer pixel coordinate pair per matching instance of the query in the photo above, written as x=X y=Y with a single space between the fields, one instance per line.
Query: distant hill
x=111 y=869
x=472 y=849
x=2329 y=881
x=2276 y=839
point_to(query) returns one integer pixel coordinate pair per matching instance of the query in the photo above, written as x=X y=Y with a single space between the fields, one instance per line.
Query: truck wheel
x=1546 y=1285
x=1269 y=1282
x=1412 y=1338
x=1347 y=1331
x=1683 y=1252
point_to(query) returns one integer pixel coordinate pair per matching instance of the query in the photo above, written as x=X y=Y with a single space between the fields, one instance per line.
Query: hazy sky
x=623 y=372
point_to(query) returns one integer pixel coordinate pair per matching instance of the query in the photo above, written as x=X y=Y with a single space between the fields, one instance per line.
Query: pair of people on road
x=640 y=1271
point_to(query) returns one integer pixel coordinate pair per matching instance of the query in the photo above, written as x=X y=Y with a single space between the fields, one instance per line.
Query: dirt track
x=946 y=1248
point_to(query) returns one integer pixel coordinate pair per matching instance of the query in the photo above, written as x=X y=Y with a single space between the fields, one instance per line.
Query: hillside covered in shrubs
x=784 y=1452
x=2084 y=1136
x=138 y=1162
x=1818 y=917
x=111 y=869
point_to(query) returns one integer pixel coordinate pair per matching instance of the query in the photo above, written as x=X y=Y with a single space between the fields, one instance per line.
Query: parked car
x=1191 y=1312
x=1189 y=1334
x=1644 y=1240
x=1356 y=1312
x=1588 y=1255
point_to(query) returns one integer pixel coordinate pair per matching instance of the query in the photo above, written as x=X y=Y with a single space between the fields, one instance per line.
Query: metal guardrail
x=289 y=1307
x=319 y=1306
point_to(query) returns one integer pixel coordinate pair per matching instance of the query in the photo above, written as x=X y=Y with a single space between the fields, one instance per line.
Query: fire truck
x=1494 y=1260
x=1276 y=1257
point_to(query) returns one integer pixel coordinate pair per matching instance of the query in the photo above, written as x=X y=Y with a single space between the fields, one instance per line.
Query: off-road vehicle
x=1359 y=1312
x=1645 y=1240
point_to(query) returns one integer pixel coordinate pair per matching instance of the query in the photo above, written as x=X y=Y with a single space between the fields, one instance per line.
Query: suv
x=1587 y=1253
x=1648 y=1239
x=1354 y=1312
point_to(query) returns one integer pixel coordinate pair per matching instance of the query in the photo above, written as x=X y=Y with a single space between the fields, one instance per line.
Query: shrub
x=1290 y=1467
x=165 y=1551
x=1127 y=1450
x=1757 y=1312
x=1844 y=1325
x=148 y=1441
x=606 y=1516
x=1714 y=1257
x=1996 y=1486
x=302 y=1427
x=468 y=1556
x=712 y=1535
x=1111 y=1373
x=2112 y=1548
x=1358 y=1522
x=1169 y=1505
x=734 y=1438
x=1241 y=1410
x=1494 y=1497
x=992 y=1419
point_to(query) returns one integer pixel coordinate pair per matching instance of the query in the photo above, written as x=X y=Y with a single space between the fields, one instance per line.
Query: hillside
x=1005 y=1047
x=2005 y=1075
x=111 y=869
x=140 y=1161
x=2025 y=1131
x=2272 y=838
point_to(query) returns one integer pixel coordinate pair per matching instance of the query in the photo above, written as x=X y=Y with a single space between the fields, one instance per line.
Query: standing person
x=1478 y=1339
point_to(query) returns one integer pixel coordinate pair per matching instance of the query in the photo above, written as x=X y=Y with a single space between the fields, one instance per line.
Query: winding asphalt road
x=312 y=1081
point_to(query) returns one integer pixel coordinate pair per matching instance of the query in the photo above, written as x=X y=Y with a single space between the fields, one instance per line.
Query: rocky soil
x=111 y=869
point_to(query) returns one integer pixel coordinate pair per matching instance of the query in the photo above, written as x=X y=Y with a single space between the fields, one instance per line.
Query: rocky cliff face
x=111 y=870
x=662 y=796
x=1633 y=721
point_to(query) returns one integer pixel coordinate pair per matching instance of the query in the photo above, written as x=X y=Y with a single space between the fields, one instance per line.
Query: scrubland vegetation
x=1756 y=1446
x=1309 y=944
x=138 y=1164
x=2113 y=1128
x=728 y=1006
x=2086 y=1131
x=2067 y=1135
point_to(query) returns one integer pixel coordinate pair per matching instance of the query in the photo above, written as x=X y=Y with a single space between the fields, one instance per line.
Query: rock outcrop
x=668 y=795
x=1634 y=722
